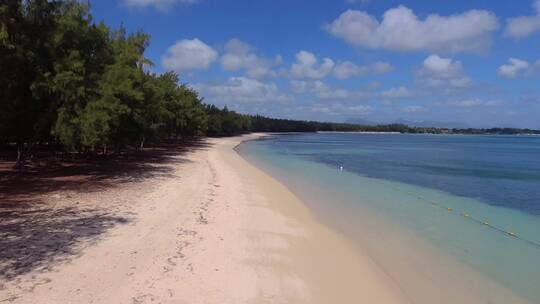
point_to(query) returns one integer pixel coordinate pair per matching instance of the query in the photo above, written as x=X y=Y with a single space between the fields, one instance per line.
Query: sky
x=469 y=63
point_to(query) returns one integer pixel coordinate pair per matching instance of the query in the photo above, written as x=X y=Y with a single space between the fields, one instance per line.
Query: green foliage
x=68 y=80
x=84 y=85
x=25 y=31
x=222 y=122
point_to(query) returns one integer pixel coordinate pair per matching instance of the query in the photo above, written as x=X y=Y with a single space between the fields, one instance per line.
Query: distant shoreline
x=425 y=133
x=358 y=132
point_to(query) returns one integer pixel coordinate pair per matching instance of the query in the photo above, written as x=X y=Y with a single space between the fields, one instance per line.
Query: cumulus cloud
x=396 y=93
x=401 y=30
x=524 y=26
x=158 y=4
x=240 y=56
x=359 y=109
x=323 y=91
x=381 y=67
x=243 y=90
x=513 y=68
x=413 y=109
x=307 y=66
x=472 y=102
x=320 y=90
x=188 y=55
x=347 y=69
x=437 y=71
x=341 y=109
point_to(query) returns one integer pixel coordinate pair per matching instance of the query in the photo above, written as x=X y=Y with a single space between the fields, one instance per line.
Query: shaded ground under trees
x=36 y=233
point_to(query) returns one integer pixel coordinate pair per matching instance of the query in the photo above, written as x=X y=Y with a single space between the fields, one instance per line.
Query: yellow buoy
x=449 y=209
x=465 y=215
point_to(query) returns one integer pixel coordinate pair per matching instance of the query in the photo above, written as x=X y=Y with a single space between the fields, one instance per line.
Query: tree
x=25 y=31
x=81 y=53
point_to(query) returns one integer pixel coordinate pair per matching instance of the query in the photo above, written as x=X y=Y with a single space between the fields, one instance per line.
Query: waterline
x=451 y=247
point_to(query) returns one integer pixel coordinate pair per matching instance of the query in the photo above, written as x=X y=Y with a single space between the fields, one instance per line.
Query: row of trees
x=70 y=82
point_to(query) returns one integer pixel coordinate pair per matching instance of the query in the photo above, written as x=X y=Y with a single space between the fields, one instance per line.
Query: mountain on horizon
x=361 y=121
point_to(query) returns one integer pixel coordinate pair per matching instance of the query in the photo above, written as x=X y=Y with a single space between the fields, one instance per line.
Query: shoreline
x=342 y=274
x=425 y=272
x=214 y=229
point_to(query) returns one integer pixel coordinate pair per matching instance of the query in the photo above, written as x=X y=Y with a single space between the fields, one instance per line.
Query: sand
x=214 y=230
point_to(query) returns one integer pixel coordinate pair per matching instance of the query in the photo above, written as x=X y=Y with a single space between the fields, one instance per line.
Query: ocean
x=450 y=218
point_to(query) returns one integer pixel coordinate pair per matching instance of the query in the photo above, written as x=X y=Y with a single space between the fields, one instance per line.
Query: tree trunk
x=141 y=146
x=19 y=163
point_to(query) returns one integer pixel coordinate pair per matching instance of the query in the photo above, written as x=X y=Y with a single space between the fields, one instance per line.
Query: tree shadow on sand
x=48 y=174
x=36 y=239
x=36 y=235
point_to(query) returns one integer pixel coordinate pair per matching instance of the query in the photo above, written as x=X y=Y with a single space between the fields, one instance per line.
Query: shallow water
x=452 y=219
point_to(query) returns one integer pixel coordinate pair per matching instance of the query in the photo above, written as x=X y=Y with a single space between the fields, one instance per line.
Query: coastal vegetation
x=75 y=85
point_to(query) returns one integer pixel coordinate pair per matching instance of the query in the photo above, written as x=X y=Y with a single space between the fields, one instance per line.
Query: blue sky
x=474 y=62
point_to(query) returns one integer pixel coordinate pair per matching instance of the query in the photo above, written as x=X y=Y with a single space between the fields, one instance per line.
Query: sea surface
x=450 y=218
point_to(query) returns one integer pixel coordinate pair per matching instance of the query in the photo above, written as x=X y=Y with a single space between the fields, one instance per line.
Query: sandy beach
x=214 y=230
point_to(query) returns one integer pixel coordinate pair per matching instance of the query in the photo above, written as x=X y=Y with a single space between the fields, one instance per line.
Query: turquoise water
x=455 y=214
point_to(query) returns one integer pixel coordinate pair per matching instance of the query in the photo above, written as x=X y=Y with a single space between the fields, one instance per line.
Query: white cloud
x=300 y=86
x=443 y=67
x=395 y=93
x=341 y=109
x=513 y=68
x=359 y=109
x=158 y=4
x=347 y=69
x=413 y=109
x=240 y=56
x=188 y=55
x=401 y=30
x=321 y=90
x=307 y=66
x=243 y=90
x=381 y=67
x=524 y=26
x=472 y=102
x=437 y=71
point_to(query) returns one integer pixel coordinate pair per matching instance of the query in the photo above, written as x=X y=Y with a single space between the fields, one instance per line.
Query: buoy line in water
x=465 y=215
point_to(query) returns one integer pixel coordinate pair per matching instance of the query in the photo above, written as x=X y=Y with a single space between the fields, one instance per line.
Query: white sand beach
x=215 y=230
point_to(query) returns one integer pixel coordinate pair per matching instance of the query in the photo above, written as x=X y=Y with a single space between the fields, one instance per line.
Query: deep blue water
x=497 y=170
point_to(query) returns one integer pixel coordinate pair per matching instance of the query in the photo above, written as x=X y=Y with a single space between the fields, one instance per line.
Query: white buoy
x=340 y=168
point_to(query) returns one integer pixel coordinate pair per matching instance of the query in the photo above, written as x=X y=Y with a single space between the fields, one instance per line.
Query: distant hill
x=361 y=121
